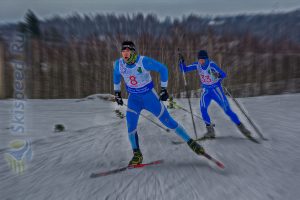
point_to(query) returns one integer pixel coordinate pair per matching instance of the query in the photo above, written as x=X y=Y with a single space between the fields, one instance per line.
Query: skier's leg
x=221 y=99
x=132 y=117
x=204 y=103
x=157 y=108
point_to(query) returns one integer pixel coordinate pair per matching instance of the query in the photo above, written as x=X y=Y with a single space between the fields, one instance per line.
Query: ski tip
x=221 y=165
x=252 y=139
x=218 y=163
x=158 y=162
x=255 y=141
x=93 y=175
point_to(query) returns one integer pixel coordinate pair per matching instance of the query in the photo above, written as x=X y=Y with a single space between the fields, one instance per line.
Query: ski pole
x=154 y=122
x=186 y=110
x=112 y=97
x=188 y=95
x=245 y=114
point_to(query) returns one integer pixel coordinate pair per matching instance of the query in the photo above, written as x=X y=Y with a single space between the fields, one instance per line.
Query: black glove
x=181 y=62
x=163 y=95
x=118 y=98
x=181 y=59
x=216 y=74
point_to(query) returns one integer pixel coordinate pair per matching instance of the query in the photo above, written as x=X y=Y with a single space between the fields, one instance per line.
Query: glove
x=118 y=98
x=163 y=95
x=181 y=59
x=181 y=62
x=216 y=74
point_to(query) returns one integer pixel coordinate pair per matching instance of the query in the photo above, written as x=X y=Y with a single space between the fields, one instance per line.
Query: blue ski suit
x=211 y=88
x=142 y=95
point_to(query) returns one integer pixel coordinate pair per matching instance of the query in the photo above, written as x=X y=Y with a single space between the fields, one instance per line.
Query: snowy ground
x=96 y=140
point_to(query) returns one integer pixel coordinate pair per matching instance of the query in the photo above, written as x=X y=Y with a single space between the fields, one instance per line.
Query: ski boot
x=210 y=134
x=244 y=130
x=137 y=157
x=197 y=148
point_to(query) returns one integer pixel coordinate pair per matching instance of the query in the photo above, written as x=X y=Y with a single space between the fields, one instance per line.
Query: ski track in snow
x=96 y=140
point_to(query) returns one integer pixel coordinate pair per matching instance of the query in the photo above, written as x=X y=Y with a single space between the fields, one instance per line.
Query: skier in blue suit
x=135 y=70
x=211 y=76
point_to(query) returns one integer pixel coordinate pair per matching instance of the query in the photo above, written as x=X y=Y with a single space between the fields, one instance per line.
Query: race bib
x=136 y=78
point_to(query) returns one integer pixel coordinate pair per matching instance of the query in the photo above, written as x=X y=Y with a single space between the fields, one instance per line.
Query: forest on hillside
x=73 y=57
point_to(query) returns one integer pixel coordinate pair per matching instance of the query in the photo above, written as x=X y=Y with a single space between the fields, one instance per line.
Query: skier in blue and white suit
x=135 y=69
x=211 y=76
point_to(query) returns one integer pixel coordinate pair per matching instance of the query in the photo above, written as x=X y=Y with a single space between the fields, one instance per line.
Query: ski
x=206 y=155
x=197 y=139
x=216 y=138
x=205 y=138
x=249 y=137
x=118 y=170
x=218 y=163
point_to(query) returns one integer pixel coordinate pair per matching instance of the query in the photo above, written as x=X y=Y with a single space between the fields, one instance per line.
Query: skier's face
x=201 y=61
x=126 y=54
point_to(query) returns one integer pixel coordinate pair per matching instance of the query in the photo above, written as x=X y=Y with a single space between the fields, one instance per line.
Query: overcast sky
x=13 y=10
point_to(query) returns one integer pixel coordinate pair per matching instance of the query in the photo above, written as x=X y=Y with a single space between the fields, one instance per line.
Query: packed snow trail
x=96 y=140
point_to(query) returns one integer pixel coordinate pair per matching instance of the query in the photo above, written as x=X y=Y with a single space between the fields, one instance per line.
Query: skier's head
x=202 y=56
x=128 y=52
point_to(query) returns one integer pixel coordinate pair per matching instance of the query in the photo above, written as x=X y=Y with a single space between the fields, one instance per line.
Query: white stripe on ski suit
x=130 y=110
x=132 y=132
x=202 y=98
x=219 y=93
x=162 y=107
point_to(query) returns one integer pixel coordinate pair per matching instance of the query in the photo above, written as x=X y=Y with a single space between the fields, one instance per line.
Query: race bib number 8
x=133 y=80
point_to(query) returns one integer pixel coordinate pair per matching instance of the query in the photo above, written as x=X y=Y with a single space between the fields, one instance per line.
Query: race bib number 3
x=205 y=79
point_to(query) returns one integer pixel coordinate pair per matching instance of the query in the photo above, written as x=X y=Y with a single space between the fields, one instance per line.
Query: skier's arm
x=117 y=77
x=221 y=73
x=117 y=84
x=153 y=65
x=189 y=68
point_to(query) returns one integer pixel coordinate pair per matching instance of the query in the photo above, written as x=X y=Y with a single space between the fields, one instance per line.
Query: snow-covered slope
x=96 y=140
